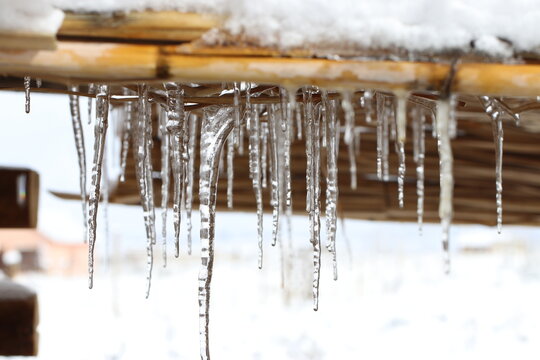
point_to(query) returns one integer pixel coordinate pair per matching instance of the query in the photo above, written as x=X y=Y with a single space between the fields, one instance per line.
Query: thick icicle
x=401 y=125
x=100 y=132
x=27 y=80
x=165 y=175
x=81 y=152
x=126 y=136
x=175 y=127
x=216 y=126
x=446 y=176
x=492 y=109
x=313 y=188
x=332 y=139
x=419 y=156
x=193 y=127
x=274 y=173
x=255 y=172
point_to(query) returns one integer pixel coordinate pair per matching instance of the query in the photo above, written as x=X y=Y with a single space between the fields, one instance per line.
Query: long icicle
x=313 y=188
x=143 y=173
x=286 y=121
x=348 y=109
x=332 y=138
x=100 y=132
x=230 y=170
x=193 y=127
x=446 y=176
x=165 y=176
x=175 y=127
x=274 y=174
x=255 y=172
x=494 y=112
x=126 y=136
x=216 y=126
x=401 y=125
x=419 y=156
x=264 y=154
x=81 y=152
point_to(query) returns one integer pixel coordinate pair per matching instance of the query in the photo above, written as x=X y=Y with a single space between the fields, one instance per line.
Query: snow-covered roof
x=496 y=27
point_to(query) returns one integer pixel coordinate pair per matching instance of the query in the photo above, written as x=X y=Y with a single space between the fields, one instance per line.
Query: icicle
x=332 y=134
x=255 y=173
x=126 y=136
x=419 y=155
x=346 y=104
x=284 y=108
x=446 y=176
x=27 y=80
x=368 y=105
x=274 y=180
x=100 y=132
x=286 y=120
x=383 y=114
x=294 y=112
x=313 y=188
x=91 y=91
x=499 y=138
x=165 y=174
x=193 y=126
x=247 y=87
x=216 y=125
x=38 y=82
x=237 y=115
x=352 y=163
x=452 y=124
x=401 y=125
x=494 y=112
x=175 y=127
x=81 y=152
x=264 y=152
x=230 y=170
x=143 y=167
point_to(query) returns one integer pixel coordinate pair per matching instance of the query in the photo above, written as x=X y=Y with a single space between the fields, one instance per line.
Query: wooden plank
x=135 y=26
x=81 y=61
x=26 y=41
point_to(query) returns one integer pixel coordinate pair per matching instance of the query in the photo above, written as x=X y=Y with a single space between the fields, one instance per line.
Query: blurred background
x=391 y=300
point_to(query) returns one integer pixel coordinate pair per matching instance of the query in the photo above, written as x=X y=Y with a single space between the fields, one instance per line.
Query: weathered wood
x=165 y=26
x=110 y=63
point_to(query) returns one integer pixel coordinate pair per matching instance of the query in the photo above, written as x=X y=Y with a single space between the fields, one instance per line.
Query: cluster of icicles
x=307 y=113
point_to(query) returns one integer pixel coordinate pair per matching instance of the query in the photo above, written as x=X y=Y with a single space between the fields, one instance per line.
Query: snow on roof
x=496 y=27
x=29 y=16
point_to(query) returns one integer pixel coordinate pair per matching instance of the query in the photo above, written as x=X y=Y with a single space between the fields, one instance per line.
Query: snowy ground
x=391 y=301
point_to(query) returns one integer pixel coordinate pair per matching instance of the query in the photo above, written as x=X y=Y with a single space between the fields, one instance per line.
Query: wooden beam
x=88 y=62
x=164 y=26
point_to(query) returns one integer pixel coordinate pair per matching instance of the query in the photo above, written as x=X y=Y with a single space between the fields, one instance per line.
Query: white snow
x=29 y=16
x=415 y=25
